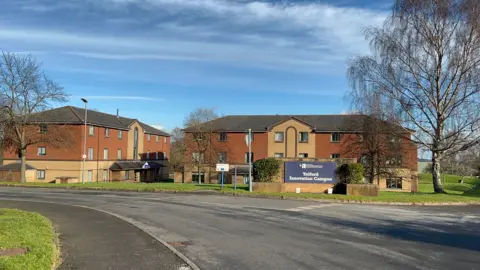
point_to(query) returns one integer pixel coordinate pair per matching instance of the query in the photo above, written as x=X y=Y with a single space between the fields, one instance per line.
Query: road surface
x=218 y=232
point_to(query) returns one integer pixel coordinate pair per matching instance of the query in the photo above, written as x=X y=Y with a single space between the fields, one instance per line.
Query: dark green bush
x=265 y=170
x=350 y=173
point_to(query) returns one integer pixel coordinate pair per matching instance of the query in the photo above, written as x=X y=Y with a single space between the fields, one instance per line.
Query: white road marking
x=310 y=207
x=468 y=218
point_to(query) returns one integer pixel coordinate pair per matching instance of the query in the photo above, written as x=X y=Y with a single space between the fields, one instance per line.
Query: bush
x=265 y=170
x=350 y=173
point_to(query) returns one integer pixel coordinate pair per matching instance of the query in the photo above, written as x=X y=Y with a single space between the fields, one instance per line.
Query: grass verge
x=19 y=229
x=466 y=192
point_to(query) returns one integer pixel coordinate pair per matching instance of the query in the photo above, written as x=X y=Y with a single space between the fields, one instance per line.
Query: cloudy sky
x=156 y=60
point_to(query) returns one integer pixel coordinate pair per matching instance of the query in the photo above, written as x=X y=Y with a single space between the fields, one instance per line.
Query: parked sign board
x=222 y=167
x=310 y=172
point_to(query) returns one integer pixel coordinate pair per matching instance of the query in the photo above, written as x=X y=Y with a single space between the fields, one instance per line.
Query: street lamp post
x=84 y=156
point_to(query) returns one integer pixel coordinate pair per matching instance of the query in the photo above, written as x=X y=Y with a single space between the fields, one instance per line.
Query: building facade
x=284 y=137
x=117 y=149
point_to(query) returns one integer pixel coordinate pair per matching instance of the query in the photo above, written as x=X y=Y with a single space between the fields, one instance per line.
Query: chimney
x=117 y=114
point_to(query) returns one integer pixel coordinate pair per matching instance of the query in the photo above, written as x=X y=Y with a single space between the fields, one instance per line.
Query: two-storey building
x=283 y=137
x=117 y=149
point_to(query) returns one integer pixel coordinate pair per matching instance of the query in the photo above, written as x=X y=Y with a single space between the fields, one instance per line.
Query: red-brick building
x=118 y=148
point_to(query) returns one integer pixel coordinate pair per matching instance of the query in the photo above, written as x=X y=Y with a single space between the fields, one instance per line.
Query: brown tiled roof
x=262 y=123
x=75 y=115
x=15 y=167
x=134 y=165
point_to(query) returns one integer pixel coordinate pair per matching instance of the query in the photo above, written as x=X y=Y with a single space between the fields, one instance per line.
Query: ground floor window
x=127 y=175
x=195 y=177
x=394 y=182
x=41 y=174
x=90 y=176
x=105 y=175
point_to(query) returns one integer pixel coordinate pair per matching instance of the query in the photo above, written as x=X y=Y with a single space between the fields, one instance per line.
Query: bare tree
x=177 y=150
x=425 y=65
x=202 y=132
x=26 y=92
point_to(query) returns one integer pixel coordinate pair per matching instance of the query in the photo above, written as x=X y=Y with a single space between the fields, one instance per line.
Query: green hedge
x=350 y=173
x=265 y=170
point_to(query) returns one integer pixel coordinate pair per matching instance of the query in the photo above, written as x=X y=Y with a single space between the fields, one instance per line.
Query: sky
x=157 y=60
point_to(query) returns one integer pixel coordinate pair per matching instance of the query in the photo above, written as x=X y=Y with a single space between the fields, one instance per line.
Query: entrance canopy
x=135 y=165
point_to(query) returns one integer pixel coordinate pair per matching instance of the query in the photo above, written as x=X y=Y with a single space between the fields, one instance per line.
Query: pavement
x=221 y=232
x=94 y=240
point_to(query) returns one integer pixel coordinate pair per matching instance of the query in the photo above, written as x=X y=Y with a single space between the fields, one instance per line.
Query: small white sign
x=84 y=156
x=222 y=167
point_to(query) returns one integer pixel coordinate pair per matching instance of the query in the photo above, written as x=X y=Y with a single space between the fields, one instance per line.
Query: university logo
x=310 y=166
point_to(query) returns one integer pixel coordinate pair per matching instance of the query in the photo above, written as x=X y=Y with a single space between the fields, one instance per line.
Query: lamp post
x=249 y=144
x=84 y=156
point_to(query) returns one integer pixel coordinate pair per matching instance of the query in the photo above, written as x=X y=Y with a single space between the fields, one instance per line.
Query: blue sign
x=310 y=172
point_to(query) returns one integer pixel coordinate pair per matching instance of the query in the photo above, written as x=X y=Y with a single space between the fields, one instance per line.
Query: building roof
x=262 y=123
x=15 y=167
x=75 y=115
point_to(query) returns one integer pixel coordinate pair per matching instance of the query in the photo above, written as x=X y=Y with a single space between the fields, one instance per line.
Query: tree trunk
x=23 y=165
x=199 y=174
x=437 y=183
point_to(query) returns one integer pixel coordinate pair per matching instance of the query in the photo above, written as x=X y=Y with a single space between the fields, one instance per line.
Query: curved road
x=218 y=232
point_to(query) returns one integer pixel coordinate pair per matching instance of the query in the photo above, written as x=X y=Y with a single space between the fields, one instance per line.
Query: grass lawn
x=19 y=229
x=464 y=193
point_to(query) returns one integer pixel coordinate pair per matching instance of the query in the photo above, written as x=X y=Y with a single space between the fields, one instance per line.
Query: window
x=197 y=157
x=43 y=129
x=157 y=139
x=394 y=161
x=90 y=176
x=394 y=182
x=164 y=139
x=119 y=154
x=222 y=137
x=42 y=151
x=156 y=155
x=135 y=144
x=303 y=155
x=279 y=136
x=164 y=154
x=303 y=137
x=360 y=137
x=127 y=175
x=279 y=155
x=148 y=155
x=90 y=153
x=148 y=137
x=335 y=156
x=247 y=160
x=105 y=154
x=107 y=132
x=195 y=177
x=105 y=175
x=41 y=174
x=251 y=139
x=120 y=134
x=335 y=137
x=91 y=130
x=222 y=157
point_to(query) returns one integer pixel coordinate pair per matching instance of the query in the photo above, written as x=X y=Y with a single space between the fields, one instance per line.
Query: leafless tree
x=177 y=150
x=425 y=65
x=26 y=91
x=202 y=133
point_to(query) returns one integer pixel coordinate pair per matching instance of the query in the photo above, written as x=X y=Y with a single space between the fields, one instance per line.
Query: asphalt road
x=218 y=232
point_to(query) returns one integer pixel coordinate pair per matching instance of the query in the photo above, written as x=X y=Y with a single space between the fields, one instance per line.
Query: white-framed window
x=335 y=156
x=222 y=136
x=395 y=161
x=105 y=154
x=251 y=139
x=105 y=175
x=148 y=137
x=164 y=155
x=43 y=129
x=335 y=137
x=164 y=139
x=107 y=132
x=222 y=157
x=90 y=176
x=120 y=134
x=127 y=175
x=42 y=151
x=91 y=130
x=148 y=154
x=279 y=155
x=303 y=137
x=394 y=183
x=119 y=154
x=40 y=174
x=303 y=155
x=197 y=157
x=156 y=155
x=157 y=139
x=279 y=136
x=247 y=159
x=90 y=153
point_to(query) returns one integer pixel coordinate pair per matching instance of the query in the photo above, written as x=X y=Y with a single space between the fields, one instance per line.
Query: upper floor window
x=303 y=137
x=105 y=154
x=394 y=139
x=119 y=154
x=42 y=151
x=335 y=156
x=251 y=137
x=222 y=136
x=148 y=137
x=279 y=155
x=222 y=157
x=91 y=130
x=247 y=159
x=395 y=161
x=90 y=153
x=335 y=137
x=120 y=134
x=164 y=139
x=43 y=129
x=197 y=157
x=279 y=136
x=107 y=132
x=157 y=139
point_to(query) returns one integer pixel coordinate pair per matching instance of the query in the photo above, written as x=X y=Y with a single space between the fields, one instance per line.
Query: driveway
x=218 y=232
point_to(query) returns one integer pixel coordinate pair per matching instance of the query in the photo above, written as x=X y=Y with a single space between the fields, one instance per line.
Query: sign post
x=248 y=140
x=235 y=179
x=222 y=168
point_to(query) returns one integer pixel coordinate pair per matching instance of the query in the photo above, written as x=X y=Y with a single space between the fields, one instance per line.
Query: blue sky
x=156 y=60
